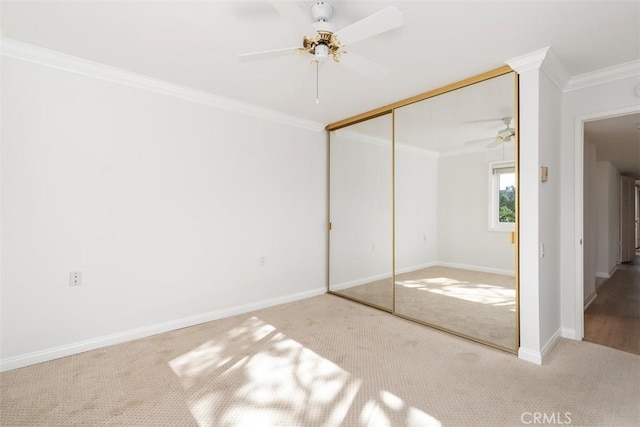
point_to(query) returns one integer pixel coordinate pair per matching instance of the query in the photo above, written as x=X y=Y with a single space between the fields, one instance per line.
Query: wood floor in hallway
x=613 y=318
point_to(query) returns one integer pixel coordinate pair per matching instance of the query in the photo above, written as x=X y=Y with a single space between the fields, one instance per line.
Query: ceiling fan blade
x=363 y=65
x=379 y=22
x=495 y=119
x=290 y=10
x=480 y=141
x=495 y=143
x=268 y=53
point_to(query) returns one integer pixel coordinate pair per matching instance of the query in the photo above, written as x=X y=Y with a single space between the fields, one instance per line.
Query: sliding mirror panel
x=360 y=212
x=455 y=180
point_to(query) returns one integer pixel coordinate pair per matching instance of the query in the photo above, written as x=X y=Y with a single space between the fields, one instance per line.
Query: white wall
x=464 y=238
x=549 y=212
x=167 y=207
x=590 y=221
x=416 y=232
x=361 y=208
x=539 y=228
x=606 y=193
x=598 y=100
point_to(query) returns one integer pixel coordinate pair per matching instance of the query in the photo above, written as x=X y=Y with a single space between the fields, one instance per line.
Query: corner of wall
x=529 y=355
x=538 y=357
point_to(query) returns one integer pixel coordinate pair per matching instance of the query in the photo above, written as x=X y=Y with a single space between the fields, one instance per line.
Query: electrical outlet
x=75 y=278
x=262 y=262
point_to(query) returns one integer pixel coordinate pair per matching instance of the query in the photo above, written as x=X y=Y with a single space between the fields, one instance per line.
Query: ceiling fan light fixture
x=505 y=134
x=321 y=53
x=328 y=41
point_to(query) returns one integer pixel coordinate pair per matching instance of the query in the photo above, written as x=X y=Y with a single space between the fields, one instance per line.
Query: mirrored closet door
x=455 y=211
x=360 y=209
x=423 y=198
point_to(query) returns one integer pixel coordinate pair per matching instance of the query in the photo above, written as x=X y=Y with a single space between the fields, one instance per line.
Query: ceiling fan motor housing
x=323 y=45
x=321 y=11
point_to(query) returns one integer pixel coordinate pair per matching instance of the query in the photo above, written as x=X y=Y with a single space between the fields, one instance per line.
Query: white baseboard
x=476 y=268
x=369 y=279
x=46 y=355
x=530 y=355
x=538 y=357
x=416 y=267
x=568 y=333
x=358 y=282
x=592 y=296
x=609 y=274
x=551 y=344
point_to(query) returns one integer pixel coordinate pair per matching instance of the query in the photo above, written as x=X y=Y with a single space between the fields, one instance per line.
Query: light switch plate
x=544 y=173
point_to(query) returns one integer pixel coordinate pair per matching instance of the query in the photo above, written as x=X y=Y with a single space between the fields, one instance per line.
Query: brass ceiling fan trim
x=326 y=38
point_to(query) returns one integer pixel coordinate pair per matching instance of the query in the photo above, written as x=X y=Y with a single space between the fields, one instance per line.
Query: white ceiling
x=453 y=121
x=463 y=120
x=617 y=140
x=196 y=43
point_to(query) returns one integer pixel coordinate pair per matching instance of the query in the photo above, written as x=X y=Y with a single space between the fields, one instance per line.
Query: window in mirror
x=502 y=204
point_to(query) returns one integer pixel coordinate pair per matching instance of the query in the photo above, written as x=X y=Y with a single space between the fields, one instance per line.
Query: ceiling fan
x=503 y=135
x=328 y=41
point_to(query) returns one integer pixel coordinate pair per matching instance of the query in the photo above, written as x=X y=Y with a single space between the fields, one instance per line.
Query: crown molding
x=469 y=150
x=529 y=61
x=546 y=60
x=555 y=70
x=408 y=148
x=384 y=142
x=27 y=52
x=416 y=150
x=358 y=136
x=604 y=75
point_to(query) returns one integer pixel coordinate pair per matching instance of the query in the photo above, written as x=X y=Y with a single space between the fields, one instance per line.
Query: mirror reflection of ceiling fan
x=328 y=41
x=503 y=135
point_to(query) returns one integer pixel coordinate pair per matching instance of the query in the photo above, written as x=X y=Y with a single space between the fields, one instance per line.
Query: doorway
x=610 y=268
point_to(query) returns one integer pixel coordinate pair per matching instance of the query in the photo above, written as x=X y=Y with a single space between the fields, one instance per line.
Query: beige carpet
x=324 y=361
x=476 y=304
x=378 y=293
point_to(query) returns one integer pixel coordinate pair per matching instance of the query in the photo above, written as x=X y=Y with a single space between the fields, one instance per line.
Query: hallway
x=613 y=319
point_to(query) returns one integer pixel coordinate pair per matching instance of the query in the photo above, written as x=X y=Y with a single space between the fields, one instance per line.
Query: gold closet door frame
x=390 y=109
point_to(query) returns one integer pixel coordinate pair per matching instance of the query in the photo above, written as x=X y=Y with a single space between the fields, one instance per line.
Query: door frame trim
x=579 y=208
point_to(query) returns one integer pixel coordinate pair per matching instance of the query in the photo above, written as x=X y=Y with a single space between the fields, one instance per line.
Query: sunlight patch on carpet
x=255 y=375
x=474 y=292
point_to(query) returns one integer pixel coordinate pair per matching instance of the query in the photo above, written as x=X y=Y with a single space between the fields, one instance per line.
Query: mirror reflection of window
x=503 y=196
x=455 y=211
x=423 y=210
